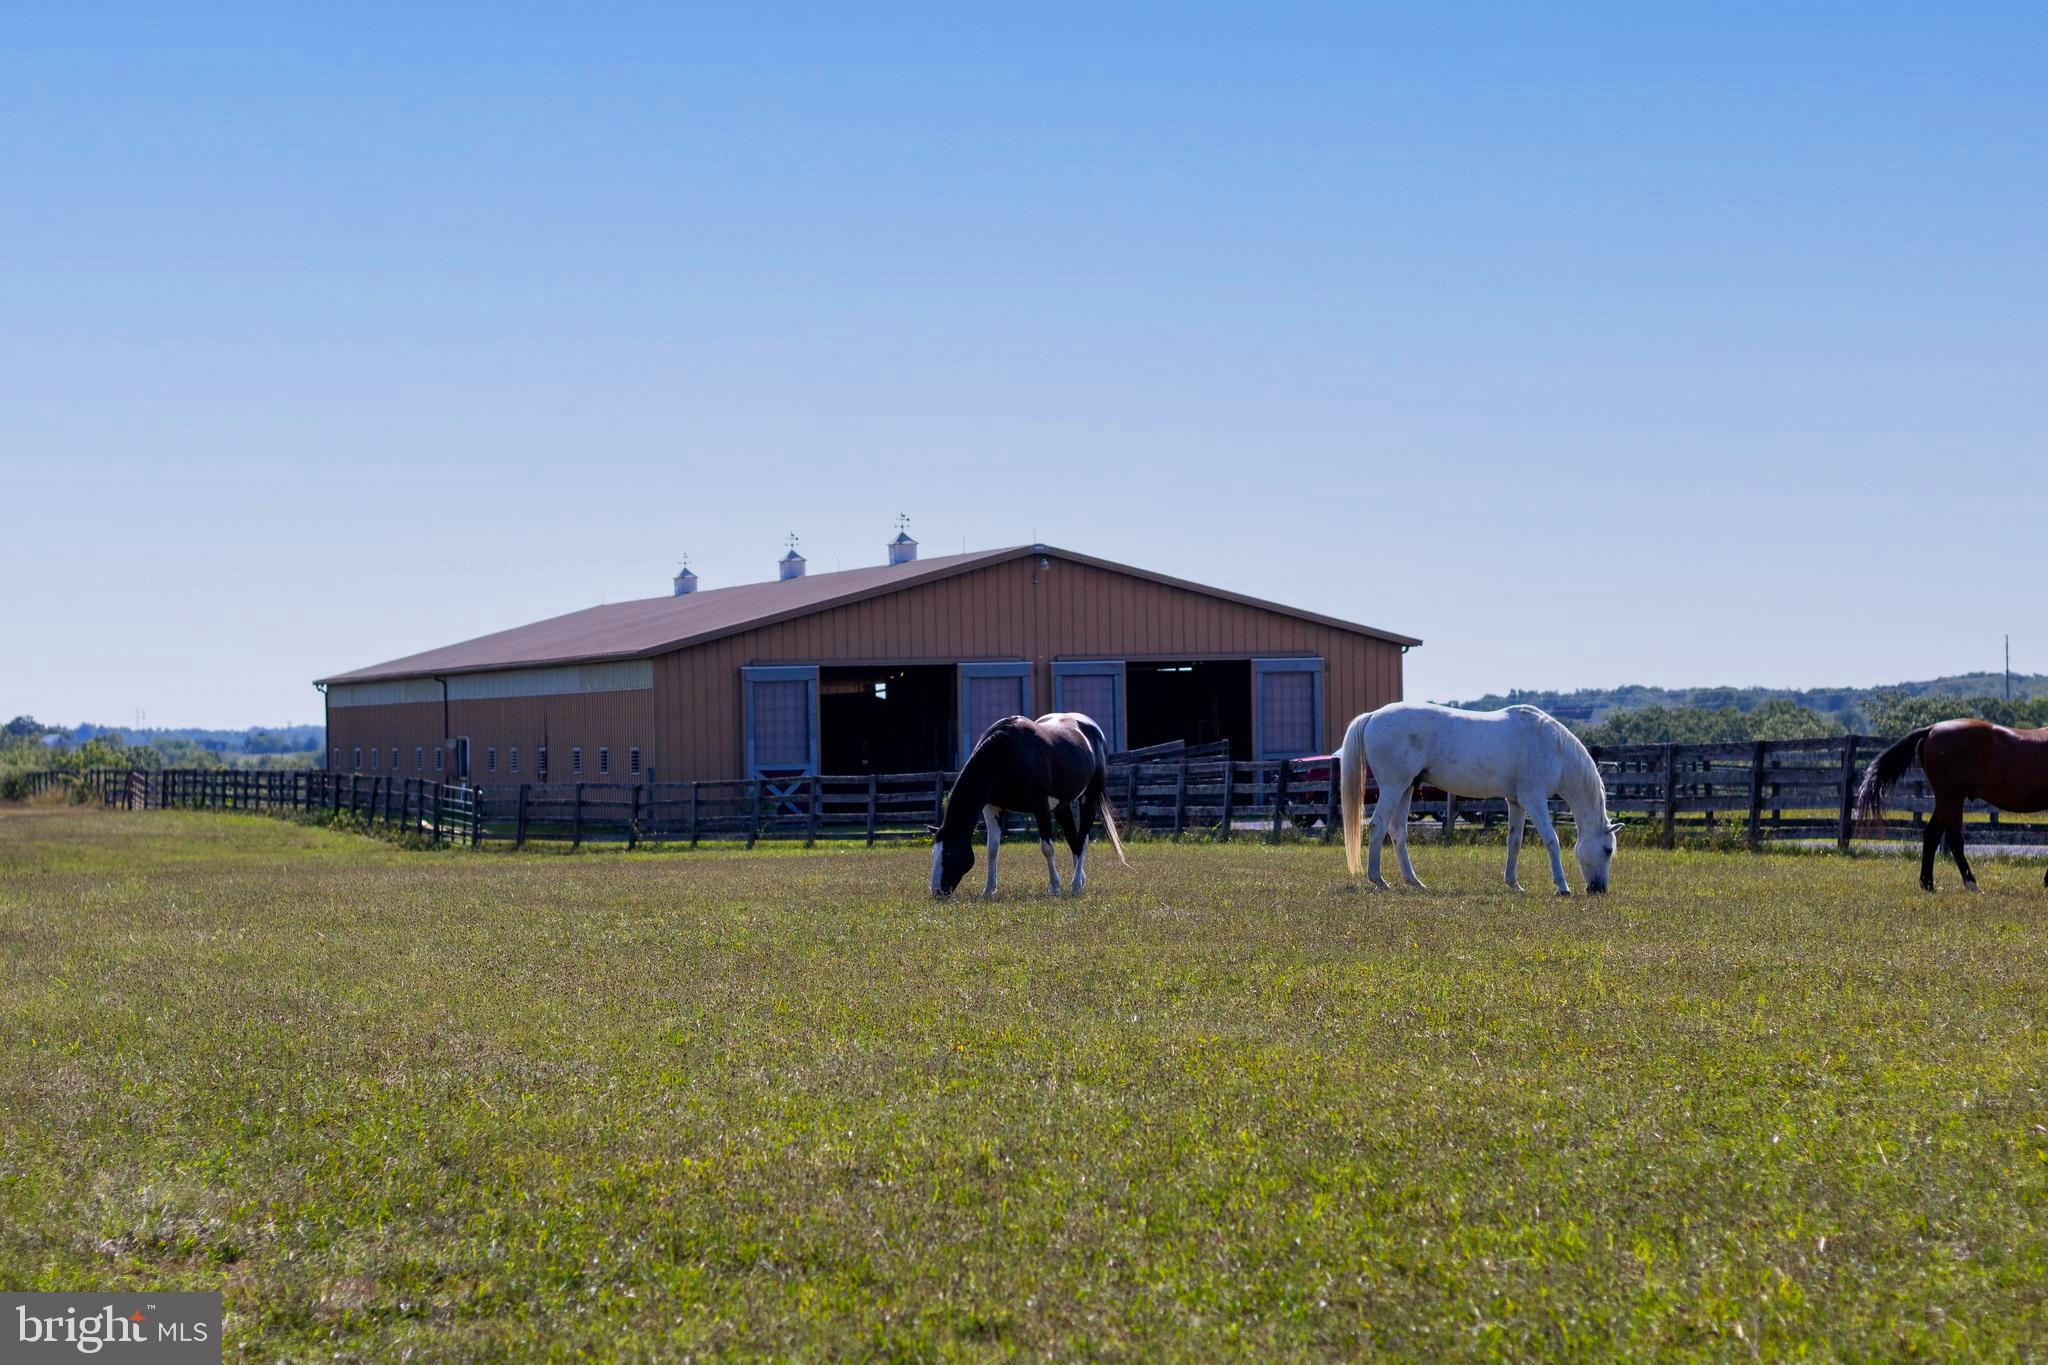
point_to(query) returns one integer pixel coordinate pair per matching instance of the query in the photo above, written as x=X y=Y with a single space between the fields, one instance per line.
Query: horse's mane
x=1578 y=759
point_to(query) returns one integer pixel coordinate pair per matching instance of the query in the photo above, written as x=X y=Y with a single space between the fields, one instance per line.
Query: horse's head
x=951 y=859
x=1595 y=850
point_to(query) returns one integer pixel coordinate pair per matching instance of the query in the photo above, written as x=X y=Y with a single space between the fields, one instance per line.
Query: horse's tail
x=1890 y=766
x=1109 y=823
x=1351 y=767
x=1100 y=744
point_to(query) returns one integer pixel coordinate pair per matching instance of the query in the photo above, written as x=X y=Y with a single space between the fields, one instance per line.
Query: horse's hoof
x=1564 y=891
x=1515 y=887
x=1378 y=883
x=1970 y=887
x=1928 y=887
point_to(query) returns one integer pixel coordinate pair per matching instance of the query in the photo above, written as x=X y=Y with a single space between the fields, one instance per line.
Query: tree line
x=1887 y=713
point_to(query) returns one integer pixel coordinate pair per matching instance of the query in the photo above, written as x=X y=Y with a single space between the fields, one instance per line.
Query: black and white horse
x=1053 y=767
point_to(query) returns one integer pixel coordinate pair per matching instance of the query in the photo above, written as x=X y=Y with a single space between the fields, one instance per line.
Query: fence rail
x=1767 y=790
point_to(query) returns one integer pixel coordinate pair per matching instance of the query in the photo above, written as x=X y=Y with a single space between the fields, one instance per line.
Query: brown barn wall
x=620 y=720
x=1011 y=610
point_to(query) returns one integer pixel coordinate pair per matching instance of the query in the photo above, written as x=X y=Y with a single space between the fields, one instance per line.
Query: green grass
x=466 y=1106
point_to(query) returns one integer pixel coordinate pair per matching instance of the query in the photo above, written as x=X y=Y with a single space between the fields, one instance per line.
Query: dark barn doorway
x=886 y=720
x=1197 y=702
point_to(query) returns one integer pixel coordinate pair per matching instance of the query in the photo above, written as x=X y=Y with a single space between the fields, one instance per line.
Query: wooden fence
x=1768 y=790
x=439 y=812
x=42 y=783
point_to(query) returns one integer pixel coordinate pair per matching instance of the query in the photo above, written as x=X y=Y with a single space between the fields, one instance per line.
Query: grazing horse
x=1050 y=767
x=1520 y=753
x=1964 y=760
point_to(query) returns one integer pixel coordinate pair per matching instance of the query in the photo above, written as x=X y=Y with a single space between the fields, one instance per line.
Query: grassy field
x=456 y=1106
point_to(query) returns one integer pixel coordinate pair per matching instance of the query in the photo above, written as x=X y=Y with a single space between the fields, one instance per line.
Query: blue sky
x=1666 y=344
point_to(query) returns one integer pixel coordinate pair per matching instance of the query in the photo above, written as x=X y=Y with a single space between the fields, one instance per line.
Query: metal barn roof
x=657 y=625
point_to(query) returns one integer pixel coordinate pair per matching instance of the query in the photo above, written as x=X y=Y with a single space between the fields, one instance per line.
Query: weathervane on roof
x=902 y=549
x=792 y=565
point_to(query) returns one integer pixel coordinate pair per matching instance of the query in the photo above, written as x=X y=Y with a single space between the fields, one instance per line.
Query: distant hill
x=1843 y=706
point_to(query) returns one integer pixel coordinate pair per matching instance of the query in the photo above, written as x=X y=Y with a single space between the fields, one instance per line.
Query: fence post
x=519 y=825
x=1229 y=796
x=476 y=817
x=1756 y=797
x=1279 y=798
x=811 y=817
x=633 y=817
x=693 y=814
x=754 y=831
x=1670 y=837
x=576 y=819
x=939 y=799
x=872 y=786
x=1847 y=825
x=1180 y=798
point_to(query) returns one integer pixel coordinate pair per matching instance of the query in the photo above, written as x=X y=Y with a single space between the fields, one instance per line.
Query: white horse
x=1519 y=753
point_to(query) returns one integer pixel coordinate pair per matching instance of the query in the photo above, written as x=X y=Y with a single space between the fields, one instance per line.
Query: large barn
x=894 y=668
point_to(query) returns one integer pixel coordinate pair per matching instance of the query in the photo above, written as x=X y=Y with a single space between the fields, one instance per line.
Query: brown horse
x=1965 y=760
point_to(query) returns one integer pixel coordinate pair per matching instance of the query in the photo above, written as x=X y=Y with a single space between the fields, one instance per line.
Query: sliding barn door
x=781 y=728
x=988 y=692
x=1095 y=688
x=1287 y=707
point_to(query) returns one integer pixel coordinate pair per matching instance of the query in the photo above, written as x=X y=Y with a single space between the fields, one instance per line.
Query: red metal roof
x=656 y=625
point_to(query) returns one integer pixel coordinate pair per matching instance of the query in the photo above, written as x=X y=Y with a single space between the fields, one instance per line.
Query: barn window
x=337 y=757
x=394 y=758
x=376 y=758
x=541 y=761
x=491 y=759
x=782 y=723
x=576 y=761
x=513 y=758
x=419 y=760
x=1287 y=706
x=440 y=758
x=633 y=758
x=359 y=760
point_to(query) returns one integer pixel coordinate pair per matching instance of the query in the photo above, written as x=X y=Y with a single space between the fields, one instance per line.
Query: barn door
x=988 y=692
x=782 y=732
x=1287 y=707
x=1095 y=688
